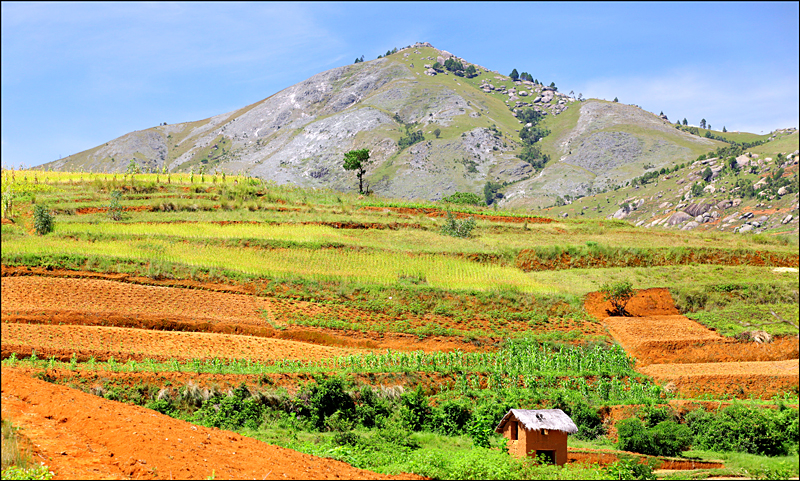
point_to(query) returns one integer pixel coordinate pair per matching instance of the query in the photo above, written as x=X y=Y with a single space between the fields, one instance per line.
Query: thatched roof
x=536 y=419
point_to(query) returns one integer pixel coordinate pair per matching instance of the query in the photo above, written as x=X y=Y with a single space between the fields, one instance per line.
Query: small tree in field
x=357 y=160
x=619 y=294
x=42 y=220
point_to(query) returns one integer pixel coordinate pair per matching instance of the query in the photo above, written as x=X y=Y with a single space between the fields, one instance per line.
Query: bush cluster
x=739 y=428
x=771 y=432
x=666 y=438
x=458 y=228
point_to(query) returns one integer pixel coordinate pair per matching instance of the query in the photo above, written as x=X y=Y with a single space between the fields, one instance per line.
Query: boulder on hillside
x=697 y=209
x=787 y=219
x=690 y=225
x=722 y=205
x=678 y=218
x=621 y=213
x=730 y=218
x=744 y=228
x=782 y=191
x=742 y=161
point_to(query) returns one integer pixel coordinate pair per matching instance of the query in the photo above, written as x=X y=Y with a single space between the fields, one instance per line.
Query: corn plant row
x=518 y=359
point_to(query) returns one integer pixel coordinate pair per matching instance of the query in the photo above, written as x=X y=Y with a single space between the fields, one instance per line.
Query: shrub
x=458 y=228
x=371 y=409
x=465 y=198
x=629 y=467
x=745 y=429
x=42 y=220
x=414 y=409
x=619 y=294
x=327 y=396
x=451 y=418
x=589 y=422
x=666 y=438
x=231 y=412
x=35 y=472
x=115 y=210
x=161 y=405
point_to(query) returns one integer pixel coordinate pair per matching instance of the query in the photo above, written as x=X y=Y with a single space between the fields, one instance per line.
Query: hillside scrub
x=771 y=432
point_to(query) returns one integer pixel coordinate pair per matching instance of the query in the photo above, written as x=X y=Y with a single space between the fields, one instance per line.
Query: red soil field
x=740 y=379
x=647 y=302
x=678 y=339
x=693 y=359
x=101 y=299
x=122 y=343
x=81 y=436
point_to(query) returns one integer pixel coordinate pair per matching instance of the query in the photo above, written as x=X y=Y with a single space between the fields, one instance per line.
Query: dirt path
x=80 y=436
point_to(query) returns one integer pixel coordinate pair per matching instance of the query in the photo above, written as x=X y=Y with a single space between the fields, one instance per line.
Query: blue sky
x=75 y=75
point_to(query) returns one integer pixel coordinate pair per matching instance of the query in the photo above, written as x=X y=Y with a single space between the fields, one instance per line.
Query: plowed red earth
x=692 y=358
x=740 y=379
x=121 y=343
x=209 y=308
x=81 y=436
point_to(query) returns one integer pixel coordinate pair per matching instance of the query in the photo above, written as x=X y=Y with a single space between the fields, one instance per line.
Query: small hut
x=537 y=432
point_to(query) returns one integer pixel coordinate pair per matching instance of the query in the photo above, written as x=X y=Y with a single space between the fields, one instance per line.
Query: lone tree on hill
x=357 y=160
x=619 y=294
x=703 y=123
x=514 y=74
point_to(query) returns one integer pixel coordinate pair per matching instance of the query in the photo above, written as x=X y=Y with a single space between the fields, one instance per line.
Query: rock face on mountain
x=300 y=134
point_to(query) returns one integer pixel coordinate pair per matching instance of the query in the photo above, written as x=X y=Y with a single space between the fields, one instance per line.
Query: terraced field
x=215 y=288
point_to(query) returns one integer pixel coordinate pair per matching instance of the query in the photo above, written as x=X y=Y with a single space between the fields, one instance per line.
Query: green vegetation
x=17 y=463
x=745 y=429
x=666 y=438
x=42 y=220
x=458 y=228
x=465 y=198
x=618 y=294
x=357 y=160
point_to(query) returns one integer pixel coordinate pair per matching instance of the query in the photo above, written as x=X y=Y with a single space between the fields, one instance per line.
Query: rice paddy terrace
x=179 y=286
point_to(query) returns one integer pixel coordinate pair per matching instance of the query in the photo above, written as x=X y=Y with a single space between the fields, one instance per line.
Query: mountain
x=300 y=134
